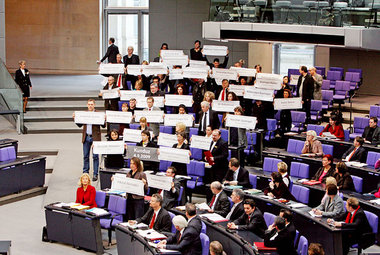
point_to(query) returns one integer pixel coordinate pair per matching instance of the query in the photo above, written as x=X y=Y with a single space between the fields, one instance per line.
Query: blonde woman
x=312 y=147
x=86 y=192
x=23 y=80
x=209 y=97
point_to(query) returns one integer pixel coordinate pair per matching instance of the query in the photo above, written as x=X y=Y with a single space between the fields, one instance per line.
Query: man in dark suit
x=219 y=152
x=237 y=175
x=371 y=133
x=170 y=196
x=90 y=133
x=305 y=90
x=221 y=91
x=219 y=203
x=110 y=104
x=252 y=220
x=111 y=53
x=192 y=219
x=130 y=59
x=288 y=217
x=278 y=236
x=237 y=209
x=156 y=217
x=186 y=239
x=356 y=224
x=207 y=117
x=355 y=152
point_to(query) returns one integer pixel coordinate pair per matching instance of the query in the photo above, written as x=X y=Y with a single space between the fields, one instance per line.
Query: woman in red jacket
x=86 y=193
x=334 y=128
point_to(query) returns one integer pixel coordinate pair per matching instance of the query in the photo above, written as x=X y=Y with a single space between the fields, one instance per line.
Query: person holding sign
x=219 y=155
x=144 y=125
x=86 y=192
x=305 y=90
x=209 y=97
x=216 y=63
x=285 y=115
x=147 y=142
x=154 y=90
x=149 y=102
x=110 y=104
x=238 y=136
x=130 y=59
x=135 y=208
x=182 y=144
x=124 y=108
x=114 y=160
x=221 y=92
x=196 y=52
x=207 y=117
x=90 y=133
x=170 y=196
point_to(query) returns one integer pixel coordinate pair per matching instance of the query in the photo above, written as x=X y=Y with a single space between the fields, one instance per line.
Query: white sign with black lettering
x=176 y=100
x=158 y=102
x=215 y=50
x=171 y=53
x=237 y=89
x=159 y=181
x=111 y=68
x=176 y=60
x=167 y=140
x=248 y=72
x=200 y=142
x=126 y=95
x=174 y=155
x=197 y=63
x=108 y=147
x=224 y=106
x=293 y=79
x=132 y=135
x=268 y=81
x=151 y=116
x=288 y=103
x=252 y=92
x=157 y=68
x=118 y=117
x=220 y=74
x=241 y=121
x=195 y=73
x=110 y=93
x=134 y=69
x=176 y=74
x=173 y=119
x=128 y=185
x=94 y=118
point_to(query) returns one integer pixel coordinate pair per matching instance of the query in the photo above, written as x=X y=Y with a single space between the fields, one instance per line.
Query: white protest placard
x=171 y=53
x=134 y=69
x=159 y=181
x=220 y=73
x=167 y=140
x=174 y=155
x=128 y=185
x=154 y=69
x=176 y=74
x=173 y=119
x=293 y=79
x=175 y=60
x=195 y=73
x=111 y=68
x=94 y=118
x=108 y=147
x=176 y=100
x=224 y=106
x=126 y=95
x=132 y=135
x=158 y=102
x=151 y=116
x=237 y=89
x=200 y=142
x=252 y=92
x=110 y=93
x=118 y=117
x=215 y=50
x=248 y=72
x=197 y=63
x=241 y=121
x=268 y=81
x=288 y=103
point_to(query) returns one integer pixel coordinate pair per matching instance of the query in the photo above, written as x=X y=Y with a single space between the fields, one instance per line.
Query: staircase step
x=48 y=116
x=53 y=127
x=23 y=195
x=83 y=98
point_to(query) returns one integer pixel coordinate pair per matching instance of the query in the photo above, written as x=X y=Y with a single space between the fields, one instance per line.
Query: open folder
x=208 y=158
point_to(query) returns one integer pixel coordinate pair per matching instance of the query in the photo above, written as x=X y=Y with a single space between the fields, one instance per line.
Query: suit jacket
x=358 y=154
x=111 y=104
x=255 y=224
x=21 y=80
x=196 y=55
x=333 y=208
x=221 y=204
x=375 y=135
x=282 y=191
x=189 y=244
x=220 y=154
x=171 y=196
x=139 y=176
x=292 y=230
x=345 y=182
x=317 y=95
x=213 y=120
x=307 y=89
x=283 y=241
x=359 y=224
x=242 y=178
x=133 y=60
x=155 y=126
x=162 y=223
x=219 y=90
x=331 y=172
x=237 y=212
x=241 y=137
x=111 y=53
x=195 y=223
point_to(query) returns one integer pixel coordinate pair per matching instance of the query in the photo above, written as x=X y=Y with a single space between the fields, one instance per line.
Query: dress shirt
x=223 y=95
x=350 y=155
x=207 y=116
x=216 y=199
x=301 y=86
x=232 y=210
x=23 y=71
x=236 y=173
x=213 y=145
x=89 y=129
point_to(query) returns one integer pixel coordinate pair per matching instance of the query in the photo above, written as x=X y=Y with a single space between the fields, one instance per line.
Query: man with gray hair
x=218 y=159
x=130 y=59
x=154 y=90
x=237 y=209
x=207 y=117
x=317 y=83
x=219 y=203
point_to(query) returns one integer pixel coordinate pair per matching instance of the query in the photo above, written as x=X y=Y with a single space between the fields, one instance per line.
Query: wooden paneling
x=54 y=36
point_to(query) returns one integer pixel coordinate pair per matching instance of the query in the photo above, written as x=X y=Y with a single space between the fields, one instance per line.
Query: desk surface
x=19 y=161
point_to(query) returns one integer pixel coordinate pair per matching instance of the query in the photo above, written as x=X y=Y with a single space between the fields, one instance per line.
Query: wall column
x=260 y=53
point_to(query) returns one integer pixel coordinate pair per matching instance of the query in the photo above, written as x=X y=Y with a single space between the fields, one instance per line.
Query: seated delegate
x=236 y=175
x=371 y=133
x=355 y=152
x=237 y=209
x=326 y=170
x=312 y=147
x=282 y=168
x=86 y=192
x=278 y=189
x=279 y=237
x=219 y=203
x=331 y=206
x=334 y=128
x=343 y=177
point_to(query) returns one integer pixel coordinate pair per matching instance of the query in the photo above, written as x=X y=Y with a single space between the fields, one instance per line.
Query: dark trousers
x=86 y=156
x=306 y=108
x=135 y=208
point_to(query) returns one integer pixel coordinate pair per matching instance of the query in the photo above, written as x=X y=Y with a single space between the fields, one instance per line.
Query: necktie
x=230 y=213
x=249 y=218
x=223 y=94
x=179 y=237
x=212 y=201
x=204 y=123
x=152 y=221
x=352 y=154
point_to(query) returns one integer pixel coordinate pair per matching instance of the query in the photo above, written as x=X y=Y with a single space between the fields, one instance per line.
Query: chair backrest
x=120 y=103
x=224 y=134
x=220 y=117
x=359 y=124
x=269 y=218
x=326 y=84
x=317 y=128
x=333 y=75
x=302 y=246
x=296 y=238
x=352 y=76
x=253 y=180
x=346 y=135
x=134 y=126
x=196 y=168
x=374 y=111
x=322 y=68
x=295 y=146
x=341 y=87
x=355 y=70
x=271 y=124
x=301 y=193
x=7 y=153
x=251 y=138
x=300 y=170
x=205 y=241
x=171 y=217
x=298 y=117
x=270 y=164
x=372 y=157
x=231 y=203
x=373 y=221
x=179 y=199
x=204 y=228
x=193 y=131
x=164 y=165
x=293 y=72
x=328 y=149
x=316 y=105
x=100 y=198
x=196 y=153
x=327 y=95
x=338 y=69
x=358 y=183
x=117 y=205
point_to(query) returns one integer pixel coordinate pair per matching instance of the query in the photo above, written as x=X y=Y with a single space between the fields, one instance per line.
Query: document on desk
x=202 y=206
x=328 y=135
x=154 y=245
x=297 y=205
x=151 y=234
x=97 y=211
x=128 y=185
x=375 y=201
x=314 y=215
x=214 y=217
x=355 y=163
x=134 y=226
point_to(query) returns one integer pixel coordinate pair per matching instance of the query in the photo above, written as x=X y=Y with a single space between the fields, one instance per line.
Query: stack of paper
x=214 y=217
x=151 y=234
x=181 y=208
x=97 y=211
x=253 y=191
x=79 y=207
x=314 y=215
x=297 y=205
x=202 y=206
x=134 y=226
x=375 y=201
